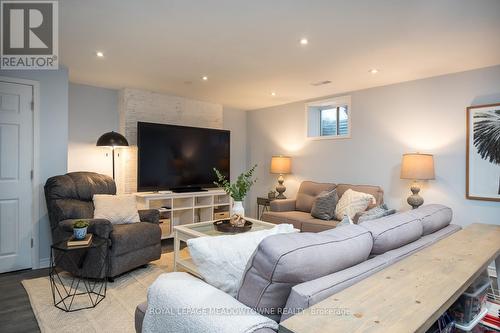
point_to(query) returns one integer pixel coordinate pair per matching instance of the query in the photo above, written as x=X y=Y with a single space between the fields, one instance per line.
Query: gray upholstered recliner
x=69 y=197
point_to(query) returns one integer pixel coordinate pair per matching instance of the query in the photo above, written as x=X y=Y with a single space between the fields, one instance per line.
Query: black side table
x=265 y=203
x=77 y=291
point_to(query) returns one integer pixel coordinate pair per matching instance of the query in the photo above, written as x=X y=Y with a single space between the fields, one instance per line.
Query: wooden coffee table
x=203 y=229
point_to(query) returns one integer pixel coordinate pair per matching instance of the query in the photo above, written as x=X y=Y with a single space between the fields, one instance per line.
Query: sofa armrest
x=99 y=227
x=150 y=215
x=282 y=205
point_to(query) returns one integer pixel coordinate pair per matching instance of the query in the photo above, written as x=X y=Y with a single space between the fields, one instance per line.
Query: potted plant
x=237 y=190
x=80 y=229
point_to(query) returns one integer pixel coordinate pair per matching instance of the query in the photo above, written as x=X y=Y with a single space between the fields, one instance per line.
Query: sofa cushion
x=293 y=217
x=309 y=293
x=323 y=206
x=282 y=261
x=434 y=217
x=376 y=191
x=393 y=231
x=134 y=236
x=308 y=191
x=317 y=225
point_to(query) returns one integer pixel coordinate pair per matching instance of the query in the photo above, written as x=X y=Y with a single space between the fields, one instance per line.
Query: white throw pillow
x=118 y=209
x=352 y=202
x=221 y=260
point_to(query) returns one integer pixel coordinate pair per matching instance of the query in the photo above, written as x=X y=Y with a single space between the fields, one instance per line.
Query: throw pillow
x=117 y=209
x=221 y=260
x=352 y=202
x=375 y=213
x=324 y=205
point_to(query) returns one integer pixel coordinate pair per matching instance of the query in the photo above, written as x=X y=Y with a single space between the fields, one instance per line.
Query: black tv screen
x=174 y=157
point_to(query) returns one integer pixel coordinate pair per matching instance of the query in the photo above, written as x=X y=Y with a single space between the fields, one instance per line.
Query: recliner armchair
x=69 y=197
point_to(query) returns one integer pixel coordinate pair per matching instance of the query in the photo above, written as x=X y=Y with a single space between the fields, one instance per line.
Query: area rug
x=115 y=313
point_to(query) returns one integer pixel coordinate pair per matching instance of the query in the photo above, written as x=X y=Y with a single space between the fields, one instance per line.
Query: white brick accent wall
x=139 y=105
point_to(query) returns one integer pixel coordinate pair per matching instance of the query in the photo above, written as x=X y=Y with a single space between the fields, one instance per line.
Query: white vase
x=238 y=208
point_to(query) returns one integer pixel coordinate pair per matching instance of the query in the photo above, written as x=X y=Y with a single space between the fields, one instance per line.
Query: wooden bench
x=410 y=295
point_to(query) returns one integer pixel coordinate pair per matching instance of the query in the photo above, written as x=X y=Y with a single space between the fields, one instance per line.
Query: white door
x=16 y=160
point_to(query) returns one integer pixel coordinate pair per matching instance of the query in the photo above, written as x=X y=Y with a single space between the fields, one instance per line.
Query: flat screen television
x=180 y=158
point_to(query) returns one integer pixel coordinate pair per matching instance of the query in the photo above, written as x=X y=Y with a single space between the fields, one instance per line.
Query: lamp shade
x=281 y=164
x=112 y=139
x=417 y=166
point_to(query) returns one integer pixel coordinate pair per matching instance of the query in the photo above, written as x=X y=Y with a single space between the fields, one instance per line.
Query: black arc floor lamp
x=112 y=139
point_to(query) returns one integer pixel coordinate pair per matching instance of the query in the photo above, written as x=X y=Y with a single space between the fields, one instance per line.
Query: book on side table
x=80 y=242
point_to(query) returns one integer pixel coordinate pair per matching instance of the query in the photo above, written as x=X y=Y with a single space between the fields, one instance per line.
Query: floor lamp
x=112 y=139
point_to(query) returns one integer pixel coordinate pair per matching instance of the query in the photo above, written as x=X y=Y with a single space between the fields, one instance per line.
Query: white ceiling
x=249 y=48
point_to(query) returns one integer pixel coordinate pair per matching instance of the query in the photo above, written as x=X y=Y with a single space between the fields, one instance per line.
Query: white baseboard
x=44 y=262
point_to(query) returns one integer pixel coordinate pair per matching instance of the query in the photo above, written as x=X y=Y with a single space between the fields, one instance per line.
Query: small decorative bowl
x=226 y=226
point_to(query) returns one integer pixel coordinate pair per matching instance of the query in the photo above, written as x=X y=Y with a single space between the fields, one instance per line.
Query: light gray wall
x=236 y=121
x=53 y=143
x=424 y=115
x=93 y=111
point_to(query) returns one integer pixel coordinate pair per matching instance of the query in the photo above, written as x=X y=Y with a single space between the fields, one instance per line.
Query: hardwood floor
x=15 y=310
x=16 y=315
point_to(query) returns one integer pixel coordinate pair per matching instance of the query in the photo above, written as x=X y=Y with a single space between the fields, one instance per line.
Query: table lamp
x=112 y=139
x=416 y=166
x=281 y=165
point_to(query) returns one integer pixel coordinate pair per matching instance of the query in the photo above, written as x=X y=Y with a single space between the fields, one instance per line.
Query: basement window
x=329 y=119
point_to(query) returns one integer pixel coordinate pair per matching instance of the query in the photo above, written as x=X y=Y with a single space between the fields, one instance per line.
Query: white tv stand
x=185 y=208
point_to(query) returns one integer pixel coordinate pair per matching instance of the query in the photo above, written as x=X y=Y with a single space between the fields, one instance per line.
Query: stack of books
x=73 y=242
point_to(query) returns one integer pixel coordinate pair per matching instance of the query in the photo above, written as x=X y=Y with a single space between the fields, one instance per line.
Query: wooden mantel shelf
x=410 y=295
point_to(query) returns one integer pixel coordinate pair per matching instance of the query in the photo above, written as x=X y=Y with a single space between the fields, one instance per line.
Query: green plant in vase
x=80 y=229
x=237 y=190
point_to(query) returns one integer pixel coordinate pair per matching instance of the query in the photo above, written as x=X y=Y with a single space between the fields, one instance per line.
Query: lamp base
x=280 y=188
x=415 y=200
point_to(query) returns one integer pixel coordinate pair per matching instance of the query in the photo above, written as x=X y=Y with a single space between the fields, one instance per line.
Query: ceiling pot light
x=373 y=71
x=304 y=41
x=204 y=78
x=99 y=54
x=273 y=93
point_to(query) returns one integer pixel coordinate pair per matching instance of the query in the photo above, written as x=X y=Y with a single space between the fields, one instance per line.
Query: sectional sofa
x=291 y=272
x=298 y=211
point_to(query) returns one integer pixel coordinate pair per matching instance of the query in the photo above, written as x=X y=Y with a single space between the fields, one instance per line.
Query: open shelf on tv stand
x=186 y=207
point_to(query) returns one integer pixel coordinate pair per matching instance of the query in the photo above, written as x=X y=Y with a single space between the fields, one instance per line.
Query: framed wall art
x=483 y=152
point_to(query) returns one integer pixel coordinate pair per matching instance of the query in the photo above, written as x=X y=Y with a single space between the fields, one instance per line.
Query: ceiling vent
x=320 y=83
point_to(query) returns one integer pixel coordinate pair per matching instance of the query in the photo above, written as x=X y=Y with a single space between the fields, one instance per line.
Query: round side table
x=77 y=290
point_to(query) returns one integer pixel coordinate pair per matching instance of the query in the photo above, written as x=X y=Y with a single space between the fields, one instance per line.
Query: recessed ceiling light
x=99 y=54
x=204 y=78
x=373 y=71
x=273 y=93
x=304 y=41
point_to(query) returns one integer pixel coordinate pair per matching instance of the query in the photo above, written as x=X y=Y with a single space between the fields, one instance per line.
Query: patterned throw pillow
x=324 y=205
x=352 y=202
x=375 y=213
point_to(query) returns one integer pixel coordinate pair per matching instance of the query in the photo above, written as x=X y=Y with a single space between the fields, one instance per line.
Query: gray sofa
x=69 y=198
x=291 y=272
x=298 y=211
